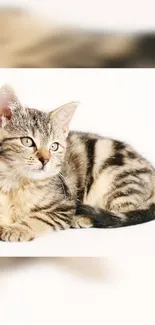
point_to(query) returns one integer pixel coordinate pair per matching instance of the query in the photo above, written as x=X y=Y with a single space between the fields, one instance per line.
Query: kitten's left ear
x=8 y=102
x=62 y=116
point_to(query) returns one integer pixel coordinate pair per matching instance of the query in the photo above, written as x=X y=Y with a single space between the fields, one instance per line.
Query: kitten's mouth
x=42 y=169
x=37 y=169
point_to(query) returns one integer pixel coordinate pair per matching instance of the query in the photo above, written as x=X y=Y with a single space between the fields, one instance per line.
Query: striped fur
x=88 y=181
x=27 y=41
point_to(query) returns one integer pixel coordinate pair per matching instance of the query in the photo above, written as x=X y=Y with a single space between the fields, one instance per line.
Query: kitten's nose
x=43 y=156
x=43 y=161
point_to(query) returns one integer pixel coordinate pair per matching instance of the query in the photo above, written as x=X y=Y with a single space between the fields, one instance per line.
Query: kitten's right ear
x=62 y=115
x=8 y=102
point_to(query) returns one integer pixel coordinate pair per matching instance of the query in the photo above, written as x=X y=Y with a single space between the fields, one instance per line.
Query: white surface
x=135 y=240
x=78 y=290
x=122 y=15
x=117 y=103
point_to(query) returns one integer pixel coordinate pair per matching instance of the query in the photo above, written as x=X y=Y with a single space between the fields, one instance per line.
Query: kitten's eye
x=27 y=142
x=54 y=146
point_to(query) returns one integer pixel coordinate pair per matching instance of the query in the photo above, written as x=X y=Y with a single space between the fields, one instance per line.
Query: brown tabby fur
x=42 y=189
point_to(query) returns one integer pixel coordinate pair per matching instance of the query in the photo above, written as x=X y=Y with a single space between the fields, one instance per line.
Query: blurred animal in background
x=27 y=41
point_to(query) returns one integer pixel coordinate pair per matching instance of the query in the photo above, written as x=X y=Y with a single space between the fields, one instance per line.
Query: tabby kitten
x=52 y=179
x=27 y=41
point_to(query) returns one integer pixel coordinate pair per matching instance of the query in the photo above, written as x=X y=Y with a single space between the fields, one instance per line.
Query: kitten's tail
x=106 y=219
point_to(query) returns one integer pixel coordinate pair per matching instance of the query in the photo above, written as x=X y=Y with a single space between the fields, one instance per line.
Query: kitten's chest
x=17 y=204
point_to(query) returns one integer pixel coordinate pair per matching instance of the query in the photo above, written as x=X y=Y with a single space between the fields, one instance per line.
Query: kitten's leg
x=124 y=202
x=37 y=224
x=86 y=222
x=129 y=197
x=34 y=226
x=16 y=232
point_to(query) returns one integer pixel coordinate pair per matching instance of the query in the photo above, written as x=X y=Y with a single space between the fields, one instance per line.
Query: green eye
x=54 y=146
x=27 y=142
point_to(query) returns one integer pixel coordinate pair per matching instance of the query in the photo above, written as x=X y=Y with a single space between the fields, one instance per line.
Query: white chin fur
x=38 y=175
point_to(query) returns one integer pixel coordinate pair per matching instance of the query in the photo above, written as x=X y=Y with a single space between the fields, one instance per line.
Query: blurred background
x=77 y=34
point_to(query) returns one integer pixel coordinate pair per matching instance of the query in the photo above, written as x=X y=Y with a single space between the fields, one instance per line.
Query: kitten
x=28 y=42
x=52 y=179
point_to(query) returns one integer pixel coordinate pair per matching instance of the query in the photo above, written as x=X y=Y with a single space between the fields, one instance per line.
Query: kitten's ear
x=62 y=115
x=8 y=102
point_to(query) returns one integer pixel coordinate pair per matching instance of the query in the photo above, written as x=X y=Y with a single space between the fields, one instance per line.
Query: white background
x=118 y=288
x=119 y=14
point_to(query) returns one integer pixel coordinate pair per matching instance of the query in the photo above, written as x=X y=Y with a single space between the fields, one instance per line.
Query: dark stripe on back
x=120 y=194
x=117 y=159
x=126 y=182
x=118 y=146
x=127 y=192
x=132 y=172
x=131 y=155
x=126 y=204
x=90 y=148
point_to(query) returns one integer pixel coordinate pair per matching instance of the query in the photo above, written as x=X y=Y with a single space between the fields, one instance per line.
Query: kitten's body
x=93 y=174
x=88 y=180
x=27 y=41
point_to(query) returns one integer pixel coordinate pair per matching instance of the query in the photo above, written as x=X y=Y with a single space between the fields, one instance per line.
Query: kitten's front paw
x=16 y=233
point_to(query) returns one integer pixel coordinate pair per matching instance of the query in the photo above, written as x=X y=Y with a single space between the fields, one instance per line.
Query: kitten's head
x=32 y=143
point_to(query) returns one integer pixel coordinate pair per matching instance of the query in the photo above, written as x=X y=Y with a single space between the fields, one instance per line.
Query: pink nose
x=43 y=156
x=43 y=160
